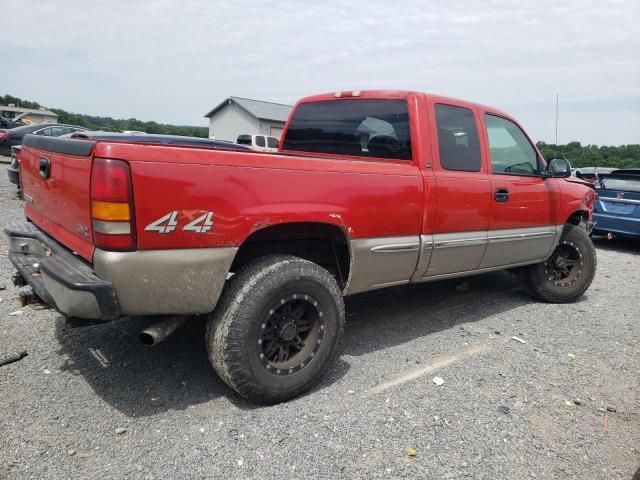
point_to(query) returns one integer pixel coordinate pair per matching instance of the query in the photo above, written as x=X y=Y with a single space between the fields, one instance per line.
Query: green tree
x=624 y=156
x=110 y=124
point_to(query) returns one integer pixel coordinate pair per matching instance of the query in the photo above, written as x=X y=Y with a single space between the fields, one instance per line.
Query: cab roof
x=396 y=95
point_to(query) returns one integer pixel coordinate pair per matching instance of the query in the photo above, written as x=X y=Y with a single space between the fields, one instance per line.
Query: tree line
x=110 y=124
x=623 y=156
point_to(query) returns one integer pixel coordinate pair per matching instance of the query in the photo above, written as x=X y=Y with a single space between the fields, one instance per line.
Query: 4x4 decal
x=169 y=222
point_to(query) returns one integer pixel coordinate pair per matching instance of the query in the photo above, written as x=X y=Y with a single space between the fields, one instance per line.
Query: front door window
x=511 y=151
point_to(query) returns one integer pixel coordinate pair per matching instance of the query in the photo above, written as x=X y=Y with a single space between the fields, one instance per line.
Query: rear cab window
x=373 y=128
x=272 y=142
x=510 y=150
x=621 y=181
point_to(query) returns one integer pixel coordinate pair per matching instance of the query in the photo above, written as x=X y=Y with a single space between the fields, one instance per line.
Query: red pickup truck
x=369 y=189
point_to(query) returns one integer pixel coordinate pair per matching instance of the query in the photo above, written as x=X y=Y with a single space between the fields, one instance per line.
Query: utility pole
x=557 y=96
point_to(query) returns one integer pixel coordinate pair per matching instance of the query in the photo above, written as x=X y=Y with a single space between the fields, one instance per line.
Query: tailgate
x=56 y=178
x=623 y=204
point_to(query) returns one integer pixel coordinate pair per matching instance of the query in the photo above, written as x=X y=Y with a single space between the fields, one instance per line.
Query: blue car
x=617 y=208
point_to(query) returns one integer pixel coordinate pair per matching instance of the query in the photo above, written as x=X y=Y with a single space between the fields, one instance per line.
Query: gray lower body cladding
x=190 y=281
x=155 y=282
x=184 y=281
x=382 y=262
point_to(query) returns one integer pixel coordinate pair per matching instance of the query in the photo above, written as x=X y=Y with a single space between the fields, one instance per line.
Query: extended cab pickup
x=368 y=190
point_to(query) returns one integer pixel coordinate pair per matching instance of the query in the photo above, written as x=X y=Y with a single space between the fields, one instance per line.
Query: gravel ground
x=94 y=403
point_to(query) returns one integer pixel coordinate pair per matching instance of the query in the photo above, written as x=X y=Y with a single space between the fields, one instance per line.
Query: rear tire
x=568 y=273
x=276 y=328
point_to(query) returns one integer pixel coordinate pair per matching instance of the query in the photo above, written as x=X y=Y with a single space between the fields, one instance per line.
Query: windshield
x=631 y=184
x=357 y=127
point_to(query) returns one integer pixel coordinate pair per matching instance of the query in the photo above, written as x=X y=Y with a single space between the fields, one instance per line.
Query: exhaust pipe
x=157 y=332
x=610 y=236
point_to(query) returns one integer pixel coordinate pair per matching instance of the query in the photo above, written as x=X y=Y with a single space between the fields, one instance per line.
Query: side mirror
x=558 y=168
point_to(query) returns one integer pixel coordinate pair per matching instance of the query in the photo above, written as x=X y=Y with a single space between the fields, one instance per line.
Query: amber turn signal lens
x=114 y=211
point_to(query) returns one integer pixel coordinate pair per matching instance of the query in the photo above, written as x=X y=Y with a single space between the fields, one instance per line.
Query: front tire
x=567 y=273
x=276 y=328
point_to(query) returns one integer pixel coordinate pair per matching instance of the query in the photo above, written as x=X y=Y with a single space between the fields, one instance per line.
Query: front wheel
x=567 y=273
x=276 y=329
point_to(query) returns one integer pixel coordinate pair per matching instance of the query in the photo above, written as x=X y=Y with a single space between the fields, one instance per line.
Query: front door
x=523 y=205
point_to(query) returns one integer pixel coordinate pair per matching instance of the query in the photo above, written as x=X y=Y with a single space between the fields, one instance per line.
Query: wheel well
x=578 y=217
x=321 y=243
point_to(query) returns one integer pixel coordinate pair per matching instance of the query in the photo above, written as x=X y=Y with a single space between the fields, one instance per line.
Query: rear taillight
x=112 y=212
x=4 y=135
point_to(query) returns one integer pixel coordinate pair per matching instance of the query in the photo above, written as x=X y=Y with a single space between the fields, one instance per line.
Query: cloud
x=172 y=61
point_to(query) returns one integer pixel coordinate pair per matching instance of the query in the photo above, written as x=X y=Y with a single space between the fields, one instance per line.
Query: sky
x=173 y=61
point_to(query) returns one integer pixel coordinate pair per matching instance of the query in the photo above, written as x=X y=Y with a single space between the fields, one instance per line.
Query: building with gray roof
x=30 y=115
x=237 y=116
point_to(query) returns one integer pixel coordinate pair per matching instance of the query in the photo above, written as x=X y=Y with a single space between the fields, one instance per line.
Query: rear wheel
x=276 y=328
x=567 y=273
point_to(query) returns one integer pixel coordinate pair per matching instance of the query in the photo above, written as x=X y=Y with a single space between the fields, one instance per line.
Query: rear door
x=460 y=182
x=56 y=176
x=524 y=205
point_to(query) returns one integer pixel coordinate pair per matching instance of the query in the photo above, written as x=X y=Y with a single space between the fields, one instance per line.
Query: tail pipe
x=610 y=236
x=159 y=331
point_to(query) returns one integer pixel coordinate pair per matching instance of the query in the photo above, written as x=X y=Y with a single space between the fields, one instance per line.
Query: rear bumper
x=154 y=282
x=13 y=172
x=616 y=224
x=60 y=278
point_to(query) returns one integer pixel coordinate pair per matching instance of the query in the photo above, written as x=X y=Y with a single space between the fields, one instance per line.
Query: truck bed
x=244 y=190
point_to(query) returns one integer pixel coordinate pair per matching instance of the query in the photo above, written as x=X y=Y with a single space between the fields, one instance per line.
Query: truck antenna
x=557 y=96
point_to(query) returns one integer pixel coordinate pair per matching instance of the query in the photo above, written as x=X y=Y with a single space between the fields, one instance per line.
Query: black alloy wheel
x=291 y=334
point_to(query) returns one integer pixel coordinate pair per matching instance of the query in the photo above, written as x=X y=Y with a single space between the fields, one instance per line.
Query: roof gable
x=37 y=111
x=257 y=108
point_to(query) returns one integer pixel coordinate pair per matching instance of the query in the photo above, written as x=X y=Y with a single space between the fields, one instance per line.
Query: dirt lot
x=94 y=403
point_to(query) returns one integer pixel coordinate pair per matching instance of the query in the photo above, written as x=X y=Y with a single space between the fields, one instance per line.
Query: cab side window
x=57 y=131
x=260 y=141
x=511 y=151
x=48 y=132
x=458 y=143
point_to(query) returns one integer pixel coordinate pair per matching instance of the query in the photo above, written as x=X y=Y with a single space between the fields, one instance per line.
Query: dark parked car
x=617 y=208
x=14 y=136
x=14 y=168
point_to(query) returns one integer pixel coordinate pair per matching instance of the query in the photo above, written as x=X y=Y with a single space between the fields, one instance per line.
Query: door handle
x=45 y=168
x=501 y=195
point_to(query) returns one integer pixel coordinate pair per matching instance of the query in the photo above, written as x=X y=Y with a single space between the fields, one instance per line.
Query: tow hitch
x=29 y=297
